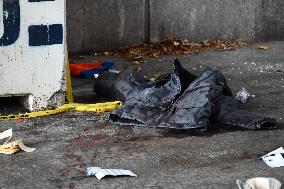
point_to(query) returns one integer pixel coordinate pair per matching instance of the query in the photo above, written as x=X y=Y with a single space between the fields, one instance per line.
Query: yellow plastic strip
x=99 y=107
x=37 y=114
x=69 y=96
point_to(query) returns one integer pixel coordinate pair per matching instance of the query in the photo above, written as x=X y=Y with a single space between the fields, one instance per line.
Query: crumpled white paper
x=101 y=173
x=274 y=159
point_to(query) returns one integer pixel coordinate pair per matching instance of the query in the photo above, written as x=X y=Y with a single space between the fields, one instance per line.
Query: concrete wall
x=104 y=24
x=108 y=24
x=202 y=19
x=217 y=19
x=32 y=51
x=270 y=20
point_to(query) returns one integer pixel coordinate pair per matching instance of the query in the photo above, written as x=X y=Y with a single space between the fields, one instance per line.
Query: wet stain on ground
x=87 y=129
x=71 y=185
x=83 y=165
x=211 y=131
x=102 y=125
x=65 y=172
x=36 y=133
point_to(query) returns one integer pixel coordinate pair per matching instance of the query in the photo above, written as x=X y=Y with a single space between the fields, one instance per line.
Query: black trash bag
x=184 y=101
x=115 y=86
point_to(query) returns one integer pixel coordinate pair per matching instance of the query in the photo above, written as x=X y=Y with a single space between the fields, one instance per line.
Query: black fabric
x=182 y=100
x=116 y=86
x=227 y=110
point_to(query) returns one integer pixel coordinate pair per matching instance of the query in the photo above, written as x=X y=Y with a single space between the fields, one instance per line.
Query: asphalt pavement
x=68 y=143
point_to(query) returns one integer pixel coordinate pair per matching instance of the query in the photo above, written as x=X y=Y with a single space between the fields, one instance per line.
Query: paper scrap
x=101 y=173
x=6 y=134
x=14 y=146
x=274 y=159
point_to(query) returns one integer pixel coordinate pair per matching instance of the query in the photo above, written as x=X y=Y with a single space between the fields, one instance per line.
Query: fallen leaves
x=262 y=47
x=173 y=46
x=136 y=62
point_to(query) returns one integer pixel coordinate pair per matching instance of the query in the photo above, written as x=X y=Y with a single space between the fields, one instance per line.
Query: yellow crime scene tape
x=69 y=106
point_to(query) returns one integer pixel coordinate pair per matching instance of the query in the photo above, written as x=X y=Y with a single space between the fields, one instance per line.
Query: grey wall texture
x=105 y=25
x=202 y=19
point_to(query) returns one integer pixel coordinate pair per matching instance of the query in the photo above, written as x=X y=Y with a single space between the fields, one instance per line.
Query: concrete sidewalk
x=66 y=144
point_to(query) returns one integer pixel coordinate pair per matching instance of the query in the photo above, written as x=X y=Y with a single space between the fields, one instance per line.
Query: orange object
x=76 y=69
x=19 y=121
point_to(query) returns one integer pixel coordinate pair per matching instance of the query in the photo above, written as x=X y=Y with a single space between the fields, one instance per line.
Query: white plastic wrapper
x=274 y=159
x=259 y=183
x=243 y=95
x=101 y=173
x=6 y=134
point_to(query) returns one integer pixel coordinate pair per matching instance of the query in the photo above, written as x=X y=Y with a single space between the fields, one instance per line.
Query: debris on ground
x=243 y=95
x=113 y=71
x=89 y=70
x=178 y=100
x=14 y=146
x=172 y=46
x=77 y=68
x=262 y=47
x=259 y=183
x=274 y=159
x=101 y=173
x=267 y=68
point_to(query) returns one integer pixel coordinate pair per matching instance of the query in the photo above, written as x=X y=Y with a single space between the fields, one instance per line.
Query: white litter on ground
x=274 y=159
x=259 y=183
x=243 y=95
x=101 y=173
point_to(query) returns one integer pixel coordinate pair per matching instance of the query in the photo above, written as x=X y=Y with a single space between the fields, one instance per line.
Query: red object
x=19 y=121
x=76 y=69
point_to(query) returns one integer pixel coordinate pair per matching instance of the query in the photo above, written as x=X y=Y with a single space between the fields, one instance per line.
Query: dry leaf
x=136 y=62
x=106 y=53
x=263 y=47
